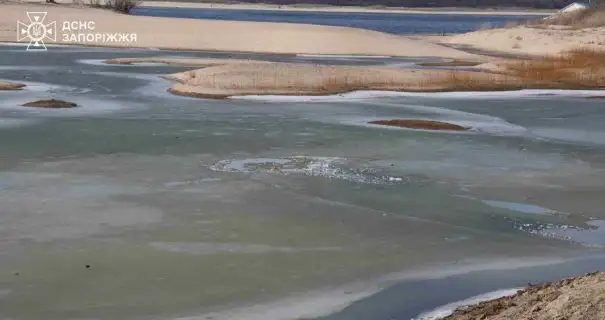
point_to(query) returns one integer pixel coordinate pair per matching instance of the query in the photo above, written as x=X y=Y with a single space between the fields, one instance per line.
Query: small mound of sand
x=532 y=41
x=50 y=104
x=11 y=86
x=579 y=298
x=420 y=124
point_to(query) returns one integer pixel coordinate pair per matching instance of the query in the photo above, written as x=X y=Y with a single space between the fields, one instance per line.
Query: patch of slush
x=592 y=235
x=519 y=207
x=448 y=309
x=372 y=94
x=326 y=167
x=206 y=248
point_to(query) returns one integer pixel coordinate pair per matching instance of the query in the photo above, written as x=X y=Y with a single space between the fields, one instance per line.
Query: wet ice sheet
x=46 y=206
x=135 y=190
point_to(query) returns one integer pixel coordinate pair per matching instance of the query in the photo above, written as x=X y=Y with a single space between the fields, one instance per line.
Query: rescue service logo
x=37 y=30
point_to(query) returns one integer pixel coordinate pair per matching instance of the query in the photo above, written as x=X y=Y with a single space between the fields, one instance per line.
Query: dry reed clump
x=578 y=68
x=470 y=81
x=318 y=79
x=575 y=69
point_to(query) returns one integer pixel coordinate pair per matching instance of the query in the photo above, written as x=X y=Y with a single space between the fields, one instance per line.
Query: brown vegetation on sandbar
x=575 y=69
x=11 y=86
x=50 y=104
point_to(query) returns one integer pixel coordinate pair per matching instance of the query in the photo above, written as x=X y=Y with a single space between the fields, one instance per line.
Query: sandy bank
x=535 y=41
x=315 y=8
x=5 y=85
x=195 y=34
x=222 y=78
x=579 y=298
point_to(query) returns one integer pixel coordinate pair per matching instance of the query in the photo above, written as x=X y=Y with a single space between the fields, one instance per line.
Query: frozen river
x=144 y=205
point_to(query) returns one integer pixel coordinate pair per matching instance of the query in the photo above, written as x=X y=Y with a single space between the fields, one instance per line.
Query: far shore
x=327 y=8
x=234 y=36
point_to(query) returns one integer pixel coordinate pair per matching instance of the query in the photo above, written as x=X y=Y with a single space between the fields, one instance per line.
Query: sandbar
x=234 y=36
x=10 y=86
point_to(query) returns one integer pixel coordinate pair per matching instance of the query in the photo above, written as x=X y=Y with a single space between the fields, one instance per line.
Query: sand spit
x=223 y=81
x=240 y=36
x=579 y=298
x=10 y=86
x=531 y=40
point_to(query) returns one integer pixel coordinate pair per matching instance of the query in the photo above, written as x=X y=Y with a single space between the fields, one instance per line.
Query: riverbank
x=577 y=298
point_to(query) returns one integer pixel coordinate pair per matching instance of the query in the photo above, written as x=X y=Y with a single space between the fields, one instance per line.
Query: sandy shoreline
x=312 y=8
x=577 y=298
